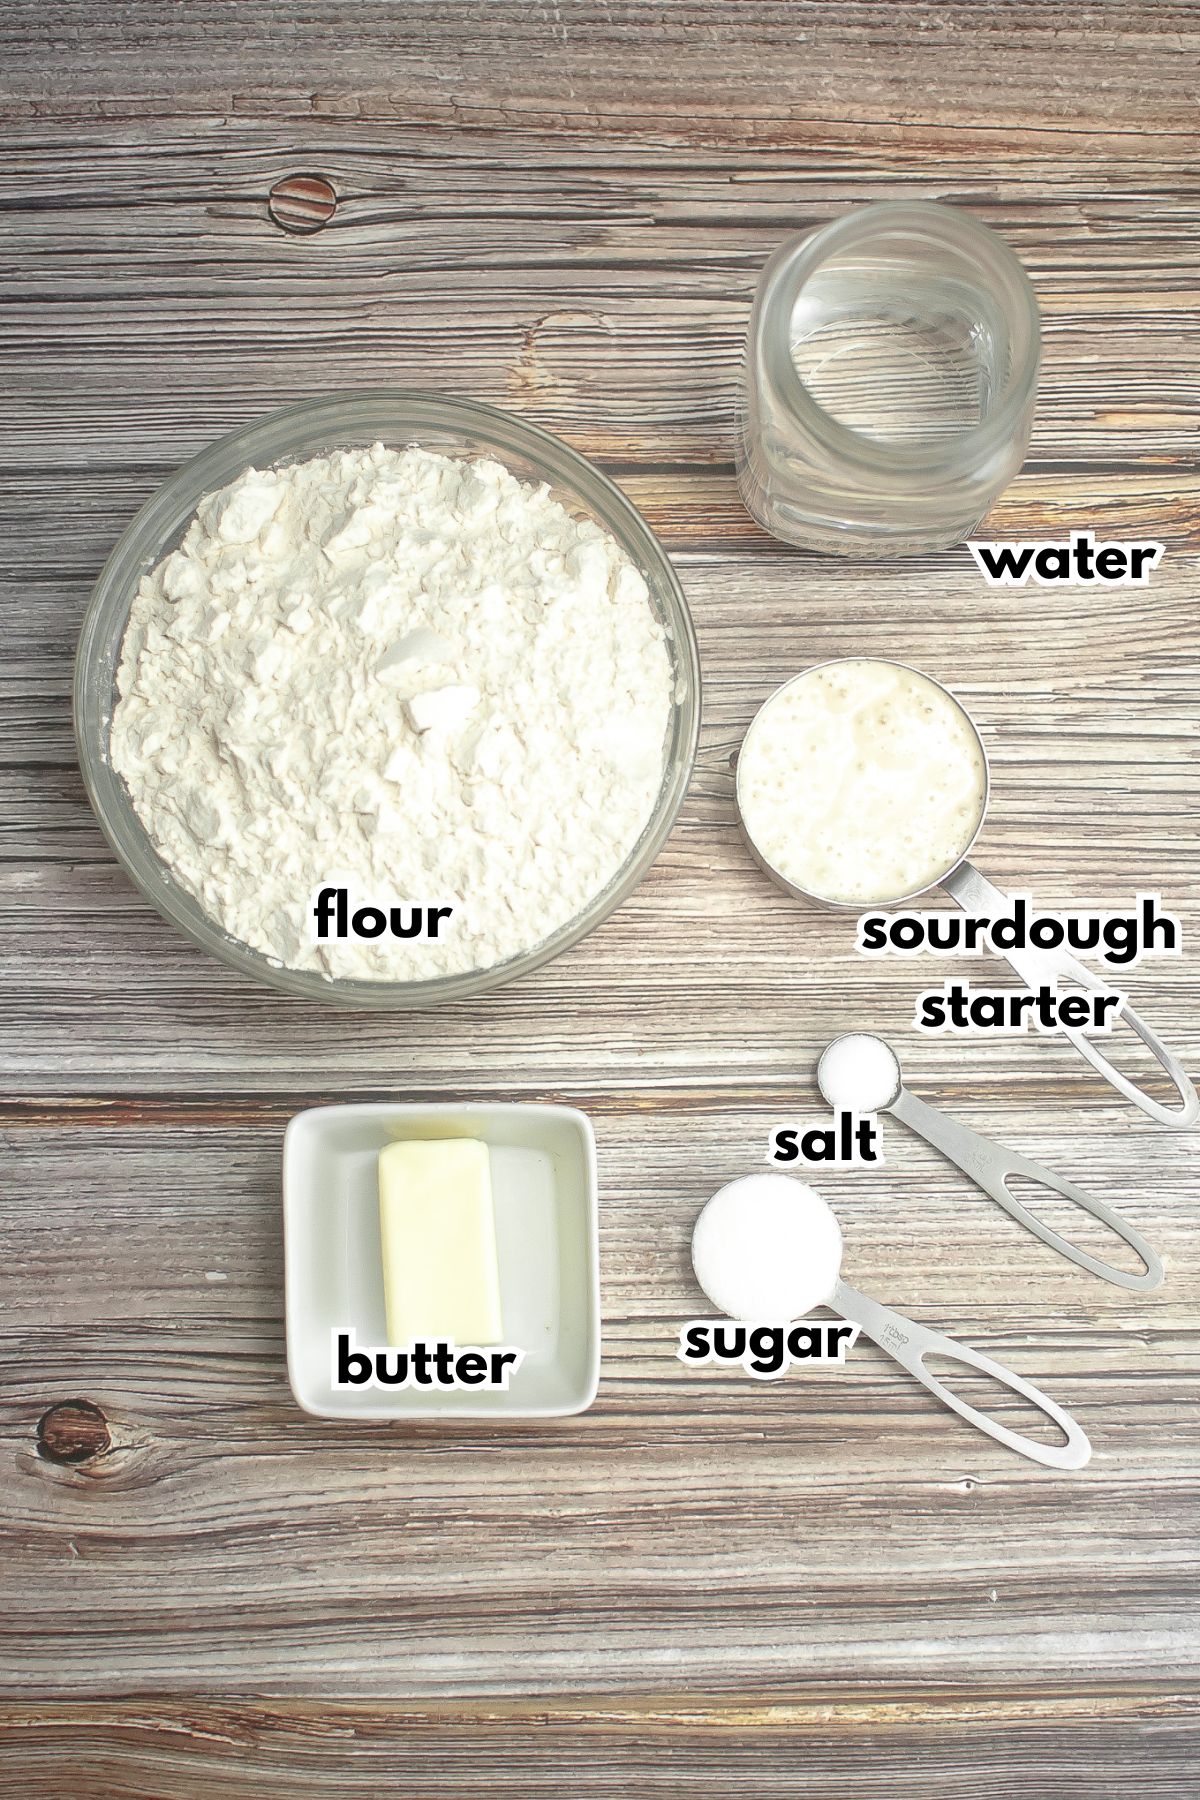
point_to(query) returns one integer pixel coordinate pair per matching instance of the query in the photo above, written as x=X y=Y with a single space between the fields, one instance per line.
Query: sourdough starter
x=861 y=781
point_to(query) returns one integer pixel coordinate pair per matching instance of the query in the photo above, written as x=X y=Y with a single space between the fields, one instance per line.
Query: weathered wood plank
x=898 y=1747
x=846 y=1745
x=618 y=322
x=1089 y=700
x=760 y=69
x=436 y=1561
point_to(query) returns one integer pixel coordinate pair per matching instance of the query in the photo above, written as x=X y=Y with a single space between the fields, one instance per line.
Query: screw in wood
x=302 y=203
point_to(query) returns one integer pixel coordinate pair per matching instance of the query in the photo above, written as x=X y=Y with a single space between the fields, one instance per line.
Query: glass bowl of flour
x=396 y=647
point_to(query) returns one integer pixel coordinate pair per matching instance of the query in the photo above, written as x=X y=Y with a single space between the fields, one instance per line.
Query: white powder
x=767 y=1249
x=417 y=678
x=859 y=1073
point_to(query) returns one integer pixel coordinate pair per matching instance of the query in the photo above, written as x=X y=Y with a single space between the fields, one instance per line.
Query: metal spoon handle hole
x=1057 y=968
x=1089 y=1229
x=995 y=1398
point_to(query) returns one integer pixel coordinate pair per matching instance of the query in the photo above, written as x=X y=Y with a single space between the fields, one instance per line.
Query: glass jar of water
x=887 y=395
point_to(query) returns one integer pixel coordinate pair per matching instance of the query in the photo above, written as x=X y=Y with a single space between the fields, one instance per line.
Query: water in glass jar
x=904 y=368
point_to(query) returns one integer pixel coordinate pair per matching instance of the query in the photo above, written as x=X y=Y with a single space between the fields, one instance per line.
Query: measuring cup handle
x=992 y=1165
x=909 y=1344
x=1043 y=968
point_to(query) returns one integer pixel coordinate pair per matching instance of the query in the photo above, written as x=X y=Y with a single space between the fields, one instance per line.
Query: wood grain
x=703 y=1584
x=693 y=67
x=843 y=1744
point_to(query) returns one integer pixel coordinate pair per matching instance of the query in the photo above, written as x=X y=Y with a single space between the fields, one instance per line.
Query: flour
x=418 y=677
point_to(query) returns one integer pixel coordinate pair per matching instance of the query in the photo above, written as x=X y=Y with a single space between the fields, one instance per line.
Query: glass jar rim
x=798 y=259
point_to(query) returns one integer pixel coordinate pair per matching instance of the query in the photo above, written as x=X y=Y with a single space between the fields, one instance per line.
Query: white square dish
x=543 y=1161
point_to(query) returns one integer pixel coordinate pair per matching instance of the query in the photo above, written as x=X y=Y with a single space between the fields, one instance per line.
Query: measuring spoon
x=991 y=1166
x=767 y=1249
x=976 y=895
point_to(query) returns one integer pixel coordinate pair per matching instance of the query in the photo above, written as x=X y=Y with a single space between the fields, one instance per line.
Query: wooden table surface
x=704 y=1585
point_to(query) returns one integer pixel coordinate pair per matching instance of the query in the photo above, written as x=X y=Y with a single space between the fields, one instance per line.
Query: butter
x=438 y=1232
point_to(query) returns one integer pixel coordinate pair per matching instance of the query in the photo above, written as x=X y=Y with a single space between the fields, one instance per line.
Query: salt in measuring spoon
x=861 y=1073
x=767 y=1249
x=978 y=897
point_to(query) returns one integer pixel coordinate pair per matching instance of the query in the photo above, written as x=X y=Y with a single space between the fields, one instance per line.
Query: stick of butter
x=438 y=1230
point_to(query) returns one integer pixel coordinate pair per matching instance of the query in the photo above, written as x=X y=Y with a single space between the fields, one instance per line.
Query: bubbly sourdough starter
x=861 y=781
x=418 y=678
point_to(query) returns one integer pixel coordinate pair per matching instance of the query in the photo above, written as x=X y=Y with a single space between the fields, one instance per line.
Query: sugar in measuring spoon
x=861 y=1073
x=767 y=1249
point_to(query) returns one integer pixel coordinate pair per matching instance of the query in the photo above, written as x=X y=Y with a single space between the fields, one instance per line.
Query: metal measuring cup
x=977 y=896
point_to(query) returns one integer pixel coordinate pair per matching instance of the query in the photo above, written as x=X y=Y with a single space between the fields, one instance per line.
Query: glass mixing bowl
x=356 y=419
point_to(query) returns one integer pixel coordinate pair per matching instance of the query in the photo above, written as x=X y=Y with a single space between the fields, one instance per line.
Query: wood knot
x=302 y=203
x=74 y=1431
